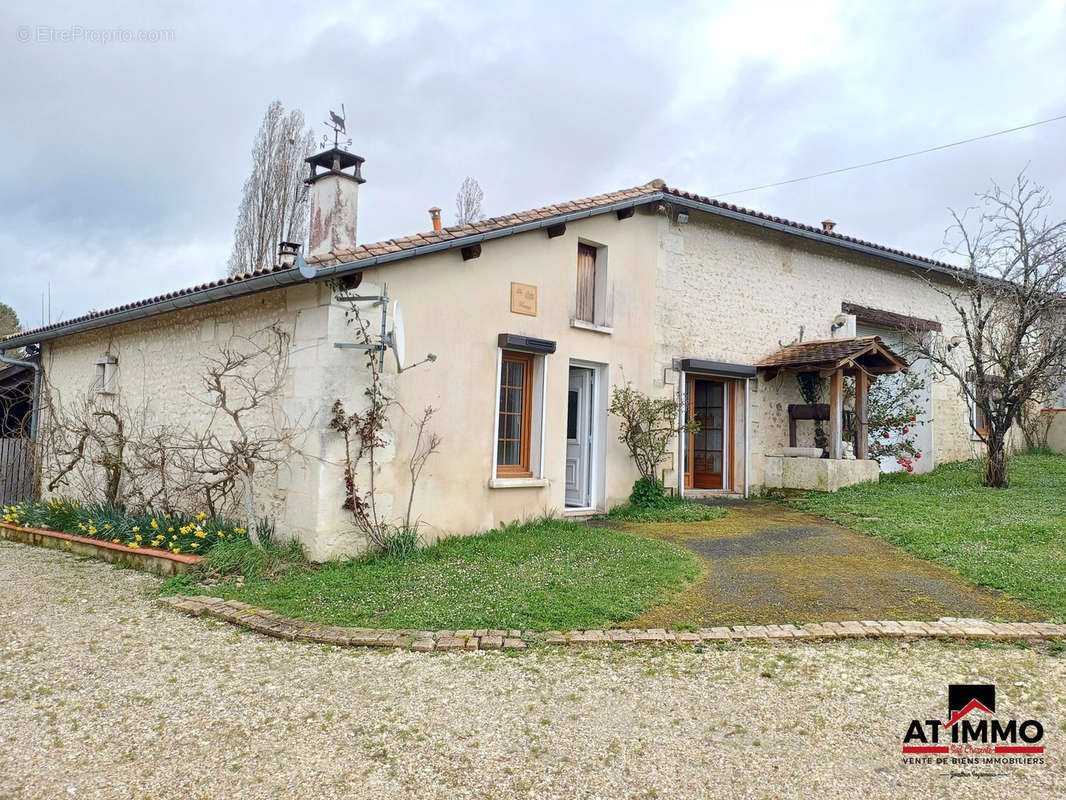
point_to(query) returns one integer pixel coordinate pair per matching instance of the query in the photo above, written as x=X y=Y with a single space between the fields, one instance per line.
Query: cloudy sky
x=123 y=161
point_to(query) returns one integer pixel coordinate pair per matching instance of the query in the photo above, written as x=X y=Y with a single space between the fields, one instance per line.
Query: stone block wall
x=729 y=292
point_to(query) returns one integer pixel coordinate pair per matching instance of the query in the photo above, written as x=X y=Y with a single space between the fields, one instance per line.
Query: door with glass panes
x=708 y=401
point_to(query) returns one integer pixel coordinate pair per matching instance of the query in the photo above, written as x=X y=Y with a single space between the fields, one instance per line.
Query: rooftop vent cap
x=828 y=225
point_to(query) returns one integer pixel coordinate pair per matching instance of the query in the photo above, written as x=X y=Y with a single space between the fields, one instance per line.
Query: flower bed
x=173 y=532
x=149 y=559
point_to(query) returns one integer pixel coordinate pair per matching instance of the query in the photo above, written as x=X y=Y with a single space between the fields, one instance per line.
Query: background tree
x=468 y=202
x=274 y=206
x=1010 y=304
x=9 y=324
x=9 y=320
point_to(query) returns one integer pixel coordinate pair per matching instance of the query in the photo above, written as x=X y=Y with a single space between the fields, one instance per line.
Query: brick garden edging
x=148 y=559
x=273 y=624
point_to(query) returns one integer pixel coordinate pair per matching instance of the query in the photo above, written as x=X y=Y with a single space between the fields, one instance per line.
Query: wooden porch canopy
x=861 y=356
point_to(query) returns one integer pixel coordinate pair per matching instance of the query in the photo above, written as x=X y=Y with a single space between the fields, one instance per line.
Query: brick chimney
x=334 y=181
x=434 y=214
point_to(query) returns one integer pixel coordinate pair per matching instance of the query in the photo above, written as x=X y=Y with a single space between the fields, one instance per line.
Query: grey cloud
x=125 y=162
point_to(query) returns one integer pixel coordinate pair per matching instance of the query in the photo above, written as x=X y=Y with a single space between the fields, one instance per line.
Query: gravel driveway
x=105 y=695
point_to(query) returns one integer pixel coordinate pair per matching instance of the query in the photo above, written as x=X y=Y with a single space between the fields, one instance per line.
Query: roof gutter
x=291 y=276
x=36 y=403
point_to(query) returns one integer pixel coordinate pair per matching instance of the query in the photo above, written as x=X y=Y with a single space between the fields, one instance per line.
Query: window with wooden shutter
x=586 y=283
x=514 y=426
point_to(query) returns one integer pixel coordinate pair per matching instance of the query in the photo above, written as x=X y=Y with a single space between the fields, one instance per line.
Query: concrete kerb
x=270 y=623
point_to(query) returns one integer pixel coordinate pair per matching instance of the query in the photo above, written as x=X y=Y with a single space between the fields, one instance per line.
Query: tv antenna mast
x=394 y=339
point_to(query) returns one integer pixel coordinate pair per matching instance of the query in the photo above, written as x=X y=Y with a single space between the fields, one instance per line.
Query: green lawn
x=539 y=576
x=1011 y=539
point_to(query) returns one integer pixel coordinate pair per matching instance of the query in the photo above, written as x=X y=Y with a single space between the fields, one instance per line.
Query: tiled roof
x=889 y=319
x=486 y=226
x=867 y=351
x=652 y=190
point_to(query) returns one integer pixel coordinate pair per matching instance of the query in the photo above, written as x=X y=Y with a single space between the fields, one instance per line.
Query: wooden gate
x=16 y=470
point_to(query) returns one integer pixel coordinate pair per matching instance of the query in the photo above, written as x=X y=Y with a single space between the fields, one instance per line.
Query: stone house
x=532 y=318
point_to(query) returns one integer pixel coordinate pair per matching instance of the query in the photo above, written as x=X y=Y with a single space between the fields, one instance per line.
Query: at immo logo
x=972 y=727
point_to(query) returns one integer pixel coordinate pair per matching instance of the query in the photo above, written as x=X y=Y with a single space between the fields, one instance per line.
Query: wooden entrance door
x=708 y=452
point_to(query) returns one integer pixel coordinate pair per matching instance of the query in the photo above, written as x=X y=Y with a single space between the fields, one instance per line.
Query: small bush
x=401 y=542
x=648 y=493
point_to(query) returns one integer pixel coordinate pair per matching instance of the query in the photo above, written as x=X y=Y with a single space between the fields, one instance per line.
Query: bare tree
x=364 y=434
x=426 y=444
x=1010 y=304
x=274 y=206
x=89 y=441
x=468 y=202
x=101 y=449
x=244 y=382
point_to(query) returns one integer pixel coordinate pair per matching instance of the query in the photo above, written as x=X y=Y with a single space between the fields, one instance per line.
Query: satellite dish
x=306 y=270
x=397 y=339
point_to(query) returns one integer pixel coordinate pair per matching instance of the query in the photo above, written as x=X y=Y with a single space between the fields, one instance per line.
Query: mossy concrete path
x=765 y=563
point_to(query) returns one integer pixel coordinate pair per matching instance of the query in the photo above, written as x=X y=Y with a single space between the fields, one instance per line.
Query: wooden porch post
x=836 y=413
x=861 y=397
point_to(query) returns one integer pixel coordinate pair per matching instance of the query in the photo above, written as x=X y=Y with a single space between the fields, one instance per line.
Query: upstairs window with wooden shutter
x=586 y=283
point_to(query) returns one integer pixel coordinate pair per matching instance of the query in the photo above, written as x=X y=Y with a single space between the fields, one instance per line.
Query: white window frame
x=537 y=425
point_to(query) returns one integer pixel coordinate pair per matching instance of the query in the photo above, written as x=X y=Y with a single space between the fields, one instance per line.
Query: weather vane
x=336 y=124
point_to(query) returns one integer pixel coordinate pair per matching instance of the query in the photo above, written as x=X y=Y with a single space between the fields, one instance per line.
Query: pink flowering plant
x=894 y=412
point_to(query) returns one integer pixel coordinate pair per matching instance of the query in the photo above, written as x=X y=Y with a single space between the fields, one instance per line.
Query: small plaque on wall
x=523 y=299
